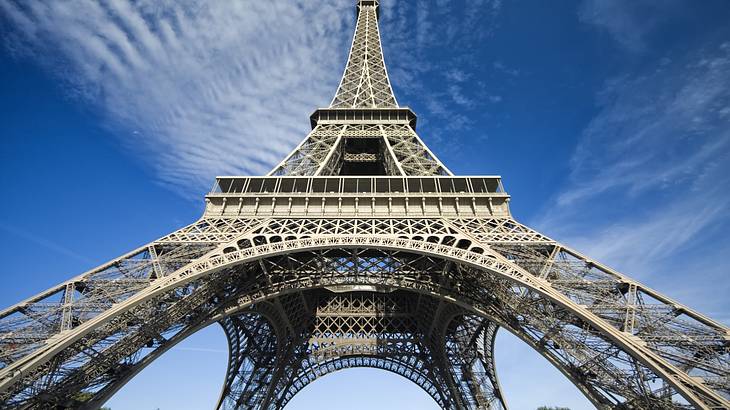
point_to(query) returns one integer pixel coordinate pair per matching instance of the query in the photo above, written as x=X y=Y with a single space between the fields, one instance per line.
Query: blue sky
x=609 y=121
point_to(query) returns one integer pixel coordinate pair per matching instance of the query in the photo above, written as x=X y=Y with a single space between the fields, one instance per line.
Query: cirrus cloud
x=193 y=88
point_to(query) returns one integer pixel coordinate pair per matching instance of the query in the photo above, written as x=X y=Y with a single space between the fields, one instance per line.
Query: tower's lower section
x=280 y=346
x=407 y=274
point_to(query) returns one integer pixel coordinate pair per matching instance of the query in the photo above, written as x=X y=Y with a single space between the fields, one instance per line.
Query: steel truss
x=332 y=145
x=619 y=342
x=402 y=267
x=398 y=332
x=365 y=82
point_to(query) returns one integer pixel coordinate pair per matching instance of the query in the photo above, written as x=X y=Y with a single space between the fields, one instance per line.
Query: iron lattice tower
x=362 y=249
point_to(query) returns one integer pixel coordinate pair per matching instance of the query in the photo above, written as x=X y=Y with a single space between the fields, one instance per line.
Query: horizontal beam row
x=329 y=205
x=358 y=185
x=363 y=116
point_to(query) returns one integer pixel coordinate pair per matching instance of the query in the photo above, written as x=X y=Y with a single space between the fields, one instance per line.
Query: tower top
x=365 y=83
x=363 y=131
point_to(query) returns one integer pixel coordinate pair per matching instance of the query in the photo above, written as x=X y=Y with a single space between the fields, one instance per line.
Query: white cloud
x=456 y=75
x=459 y=97
x=628 y=22
x=45 y=243
x=501 y=67
x=648 y=191
x=430 y=53
x=196 y=89
x=637 y=242
x=204 y=89
x=661 y=129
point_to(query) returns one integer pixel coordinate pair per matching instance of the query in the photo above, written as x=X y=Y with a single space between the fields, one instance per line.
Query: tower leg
x=266 y=349
x=469 y=350
x=252 y=361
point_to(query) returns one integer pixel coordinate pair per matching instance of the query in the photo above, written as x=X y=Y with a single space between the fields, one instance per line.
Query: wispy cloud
x=662 y=129
x=45 y=243
x=636 y=242
x=629 y=22
x=647 y=191
x=660 y=138
x=435 y=66
x=200 y=350
x=204 y=89
x=194 y=88
x=501 y=67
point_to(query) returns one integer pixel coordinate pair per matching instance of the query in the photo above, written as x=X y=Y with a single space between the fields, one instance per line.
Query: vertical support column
x=469 y=353
x=252 y=342
x=67 y=313
x=157 y=268
x=631 y=300
x=545 y=270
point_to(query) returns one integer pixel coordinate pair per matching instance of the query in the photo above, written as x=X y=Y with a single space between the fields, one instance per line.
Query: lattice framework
x=414 y=278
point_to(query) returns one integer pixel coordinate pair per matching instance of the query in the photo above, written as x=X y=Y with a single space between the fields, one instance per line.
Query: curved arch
x=336 y=330
x=489 y=327
x=403 y=347
x=470 y=341
x=391 y=365
x=498 y=265
x=692 y=390
x=105 y=394
x=254 y=344
x=400 y=367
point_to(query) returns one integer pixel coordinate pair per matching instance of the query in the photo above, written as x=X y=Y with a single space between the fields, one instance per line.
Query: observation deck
x=358 y=196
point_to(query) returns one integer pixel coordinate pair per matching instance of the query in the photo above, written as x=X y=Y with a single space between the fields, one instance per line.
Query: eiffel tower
x=361 y=249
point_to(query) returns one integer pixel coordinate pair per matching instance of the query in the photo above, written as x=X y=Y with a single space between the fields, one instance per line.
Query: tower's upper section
x=365 y=83
x=363 y=131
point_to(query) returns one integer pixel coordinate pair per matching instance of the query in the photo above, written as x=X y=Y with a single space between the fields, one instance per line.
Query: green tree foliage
x=86 y=396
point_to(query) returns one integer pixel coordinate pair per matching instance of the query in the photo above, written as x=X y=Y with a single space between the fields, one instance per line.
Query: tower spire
x=365 y=83
x=364 y=131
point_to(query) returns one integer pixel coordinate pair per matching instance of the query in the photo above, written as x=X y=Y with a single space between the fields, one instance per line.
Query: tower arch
x=499 y=273
x=362 y=209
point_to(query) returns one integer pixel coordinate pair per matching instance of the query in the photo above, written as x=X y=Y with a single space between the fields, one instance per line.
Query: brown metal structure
x=362 y=249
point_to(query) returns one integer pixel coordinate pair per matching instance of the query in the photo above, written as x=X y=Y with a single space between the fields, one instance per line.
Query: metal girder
x=364 y=88
x=397 y=145
x=410 y=269
x=640 y=369
x=365 y=81
x=359 y=329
